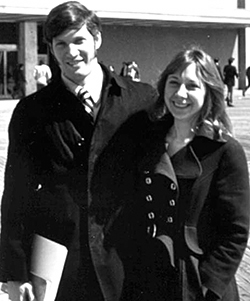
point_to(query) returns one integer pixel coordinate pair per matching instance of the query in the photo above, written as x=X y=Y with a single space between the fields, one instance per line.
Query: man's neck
x=93 y=82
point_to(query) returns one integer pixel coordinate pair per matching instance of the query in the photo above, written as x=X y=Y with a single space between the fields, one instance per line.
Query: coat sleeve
x=14 y=204
x=231 y=218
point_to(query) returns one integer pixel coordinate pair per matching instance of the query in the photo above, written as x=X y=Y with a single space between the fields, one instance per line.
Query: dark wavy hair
x=70 y=15
x=213 y=111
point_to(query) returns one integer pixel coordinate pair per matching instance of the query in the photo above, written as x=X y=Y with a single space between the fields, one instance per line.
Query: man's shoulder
x=44 y=97
x=136 y=85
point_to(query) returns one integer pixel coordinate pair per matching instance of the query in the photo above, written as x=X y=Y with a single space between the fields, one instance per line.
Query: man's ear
x=52 y=52
x=98 y=40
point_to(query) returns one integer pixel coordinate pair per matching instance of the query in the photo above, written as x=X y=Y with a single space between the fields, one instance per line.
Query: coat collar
x=58 y=90
x=112 y=78
x=187 y=162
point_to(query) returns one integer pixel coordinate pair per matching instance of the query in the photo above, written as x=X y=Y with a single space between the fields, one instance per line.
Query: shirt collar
x=93 y=84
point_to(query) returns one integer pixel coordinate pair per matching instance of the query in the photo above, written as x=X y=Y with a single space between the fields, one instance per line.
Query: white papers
x=47 y=263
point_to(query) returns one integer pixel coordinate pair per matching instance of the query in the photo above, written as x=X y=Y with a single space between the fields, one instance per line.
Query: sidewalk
x=3 y=292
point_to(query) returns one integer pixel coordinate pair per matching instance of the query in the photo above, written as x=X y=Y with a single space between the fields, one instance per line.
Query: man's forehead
x=74 y=33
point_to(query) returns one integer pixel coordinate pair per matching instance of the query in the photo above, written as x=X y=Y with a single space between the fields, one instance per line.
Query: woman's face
x=185 y=94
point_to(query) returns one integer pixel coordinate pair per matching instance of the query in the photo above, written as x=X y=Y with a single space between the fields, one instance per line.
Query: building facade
x=149 y=34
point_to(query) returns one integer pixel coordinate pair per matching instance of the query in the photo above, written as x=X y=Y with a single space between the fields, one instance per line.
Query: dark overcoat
x=52 y=150
x=178 y=225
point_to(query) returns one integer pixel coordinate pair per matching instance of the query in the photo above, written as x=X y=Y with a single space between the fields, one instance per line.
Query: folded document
x=47 y=263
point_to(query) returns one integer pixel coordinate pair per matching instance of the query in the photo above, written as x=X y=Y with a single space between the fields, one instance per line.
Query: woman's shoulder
x=141 y=127
x=227 y=146
x=234 y=148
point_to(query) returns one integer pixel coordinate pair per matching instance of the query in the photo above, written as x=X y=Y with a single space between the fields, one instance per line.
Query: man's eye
x=79 y=41
x=60 y=44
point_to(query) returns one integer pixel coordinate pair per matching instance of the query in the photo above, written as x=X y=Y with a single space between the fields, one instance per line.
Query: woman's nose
x=182 y=91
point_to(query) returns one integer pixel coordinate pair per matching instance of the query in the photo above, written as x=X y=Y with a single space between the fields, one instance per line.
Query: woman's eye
x=192 y=86
x=173 y=82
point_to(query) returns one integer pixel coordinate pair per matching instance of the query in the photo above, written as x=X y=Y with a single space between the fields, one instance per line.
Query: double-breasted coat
x=53 y=147
x=178 y=224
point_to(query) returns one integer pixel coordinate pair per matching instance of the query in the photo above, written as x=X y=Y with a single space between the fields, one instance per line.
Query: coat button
x=146 y=172
x=172 y=202
x=148 y=181
x=173 y=186
x=149 y=198
x=151 y=215
x=151 y=230
x=38 y=187
x=80 y=143
x=169 y=220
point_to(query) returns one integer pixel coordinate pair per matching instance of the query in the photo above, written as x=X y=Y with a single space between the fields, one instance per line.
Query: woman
x=176 y=185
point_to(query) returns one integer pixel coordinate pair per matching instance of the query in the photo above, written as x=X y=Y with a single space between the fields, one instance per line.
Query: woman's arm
x=231 y=203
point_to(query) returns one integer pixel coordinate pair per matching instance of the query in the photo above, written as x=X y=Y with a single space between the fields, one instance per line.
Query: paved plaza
x=240 y=116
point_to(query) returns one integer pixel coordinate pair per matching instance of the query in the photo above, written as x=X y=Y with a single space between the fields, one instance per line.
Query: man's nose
x=73 y=50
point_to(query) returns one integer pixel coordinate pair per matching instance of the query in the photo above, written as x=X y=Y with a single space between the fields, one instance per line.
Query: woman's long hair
x=213 y=112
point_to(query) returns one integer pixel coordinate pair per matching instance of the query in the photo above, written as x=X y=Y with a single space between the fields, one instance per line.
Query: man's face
x=75 y=52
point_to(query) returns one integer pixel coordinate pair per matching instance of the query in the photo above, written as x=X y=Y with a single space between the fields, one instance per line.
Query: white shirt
x=92 y=83
x=42 y=74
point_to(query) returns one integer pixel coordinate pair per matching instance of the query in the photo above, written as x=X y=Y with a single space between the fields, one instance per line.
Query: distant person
x=131 y=70
x=111 y=68
x=42 y=74
x=217 y=64
x=20 y=81
x=230 y=73
x=248 y=81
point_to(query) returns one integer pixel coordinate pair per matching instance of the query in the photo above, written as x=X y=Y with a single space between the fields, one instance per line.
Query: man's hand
x=20 y=291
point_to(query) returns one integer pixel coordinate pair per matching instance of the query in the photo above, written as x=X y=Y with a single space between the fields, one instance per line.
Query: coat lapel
x=186 y=164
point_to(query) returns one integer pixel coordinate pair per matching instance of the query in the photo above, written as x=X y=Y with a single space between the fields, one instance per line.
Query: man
x=20 y=81
x=42 y=74
x=230 y=72
x=248 y=81
x=55 y=137
x=217 y=64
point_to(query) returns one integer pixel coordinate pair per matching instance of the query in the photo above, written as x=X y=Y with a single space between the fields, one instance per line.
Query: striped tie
x=86 y=101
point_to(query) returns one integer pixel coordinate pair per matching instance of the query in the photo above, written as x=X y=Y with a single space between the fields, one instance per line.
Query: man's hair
x=70 y=15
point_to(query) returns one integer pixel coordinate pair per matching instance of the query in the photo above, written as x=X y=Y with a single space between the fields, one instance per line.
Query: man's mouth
x=74 y=63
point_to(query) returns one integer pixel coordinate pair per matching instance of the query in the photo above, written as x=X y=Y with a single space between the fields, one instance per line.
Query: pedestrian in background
x=42 y=74
x=55 y=138
x=248 y=81
x=217 y=64
x=179 y=184
x=131 y=70
x=230 y=73
x=19 y=82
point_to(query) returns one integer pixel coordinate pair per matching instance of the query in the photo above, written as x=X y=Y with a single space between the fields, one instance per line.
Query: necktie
x=86 y=101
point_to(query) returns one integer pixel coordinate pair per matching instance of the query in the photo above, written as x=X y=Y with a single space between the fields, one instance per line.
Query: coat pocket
x=191 y=239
